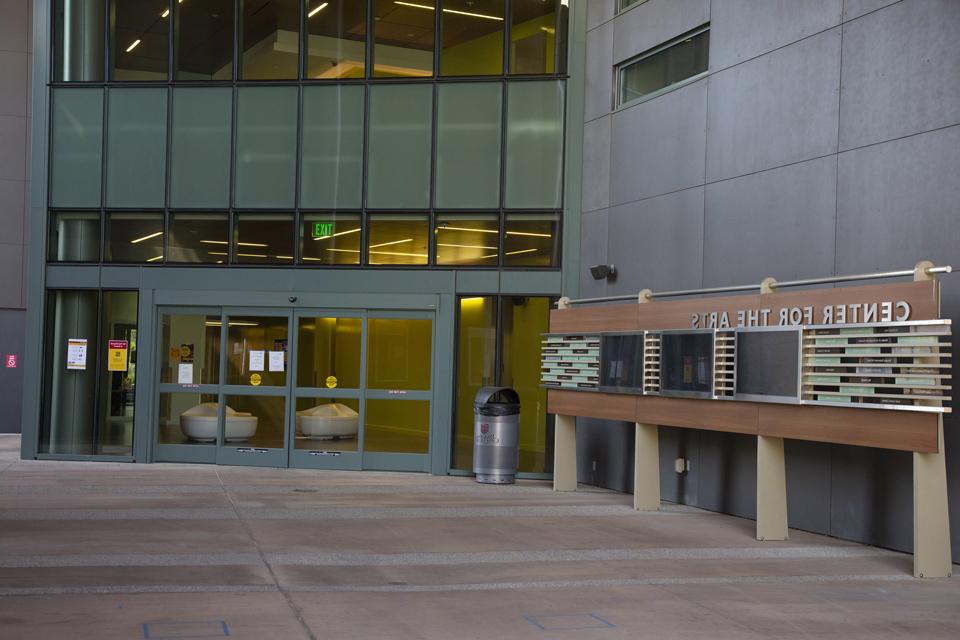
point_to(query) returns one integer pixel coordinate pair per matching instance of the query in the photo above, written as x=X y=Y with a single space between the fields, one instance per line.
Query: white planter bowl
x=200 y=423
x=327 y=421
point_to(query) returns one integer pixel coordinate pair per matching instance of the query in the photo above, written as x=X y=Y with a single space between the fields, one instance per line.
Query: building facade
x=294 y=233
x=788 y=139
x=16 y=45
x=254 y=219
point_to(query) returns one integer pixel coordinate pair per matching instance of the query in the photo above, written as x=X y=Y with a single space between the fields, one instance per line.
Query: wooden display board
x=838 y=400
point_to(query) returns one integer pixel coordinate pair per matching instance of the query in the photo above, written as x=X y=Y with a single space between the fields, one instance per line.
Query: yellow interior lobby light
x=152 y=235
x=459 y=13
x=317 y=10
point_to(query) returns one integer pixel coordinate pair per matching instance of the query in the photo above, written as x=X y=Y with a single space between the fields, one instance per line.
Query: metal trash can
x=496 y=425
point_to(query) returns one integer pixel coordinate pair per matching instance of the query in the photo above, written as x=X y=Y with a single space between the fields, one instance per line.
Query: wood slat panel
x=886 y=429
x=712 y=415
x=606 y=406
x=615 y=317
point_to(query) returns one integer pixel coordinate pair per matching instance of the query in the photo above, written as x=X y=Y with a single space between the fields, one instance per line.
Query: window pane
x=399 y=353
x=468 y=239
x=266 y=147
x=251 y=338
x=74 y=237
x=472 y=38
x=400 y=146
x=468 y=145
x=332 y=166
x=137 y=148
x=69 y=380
x=336 y=39
x=174 y=426
x=330 y=424
x=76 y=144
x=533 y=27
x=118 y=372
x=139 y=42
x=190 y=339
x=255 y=421
x=328 y=354
x=397 y=426
x=200 y=147
x=203 y=40
x=263 y=238
x=523 y=319
x=398 y=239
x=271 y=39
x=532 y=240
x=78 y=41
x=330 y=238
x=534 y=145
x=683 y=60
x=134 y=237
x=476 y=357
x=198 y=237
x=404 y=38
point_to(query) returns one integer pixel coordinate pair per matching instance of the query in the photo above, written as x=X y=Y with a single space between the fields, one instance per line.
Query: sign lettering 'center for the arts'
x=866 y=313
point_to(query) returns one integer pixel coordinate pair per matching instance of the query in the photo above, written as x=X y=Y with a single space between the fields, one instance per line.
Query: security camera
x=603 y=271
x=292 y=298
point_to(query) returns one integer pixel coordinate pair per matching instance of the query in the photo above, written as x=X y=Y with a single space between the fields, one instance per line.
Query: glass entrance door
x=333 y=389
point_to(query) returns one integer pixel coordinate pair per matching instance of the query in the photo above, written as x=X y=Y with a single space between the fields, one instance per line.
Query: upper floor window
x=677 y=61
x=626 y=4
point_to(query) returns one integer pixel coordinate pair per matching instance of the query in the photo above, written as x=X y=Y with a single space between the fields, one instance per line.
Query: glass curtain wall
x=90 y=373
x=498 y=344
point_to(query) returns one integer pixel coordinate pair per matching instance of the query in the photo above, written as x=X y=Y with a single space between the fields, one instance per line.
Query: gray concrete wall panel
x=657 y=243
x=11 y=280
x=13 y=148
x=658 y=146
x=753 y=224
x=727 y=480
x=856 y=8
x=12 y=328
x=776 y=109
x=599 y=11
x=14 y=71
x=598 y=79
x=15 y=25
x=743 y=29
x=900 y=69
x=11 y=211
x=596 y=164
x=808 y=485
x=897 y=203
x=593 y=250
x=655 y=22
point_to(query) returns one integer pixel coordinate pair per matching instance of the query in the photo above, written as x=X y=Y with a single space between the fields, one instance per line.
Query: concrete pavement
x=119 y=551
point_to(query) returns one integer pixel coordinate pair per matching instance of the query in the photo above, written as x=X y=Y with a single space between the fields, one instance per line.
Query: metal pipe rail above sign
x=650 y=295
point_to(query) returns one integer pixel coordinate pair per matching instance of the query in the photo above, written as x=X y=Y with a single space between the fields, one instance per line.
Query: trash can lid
x=497 y=401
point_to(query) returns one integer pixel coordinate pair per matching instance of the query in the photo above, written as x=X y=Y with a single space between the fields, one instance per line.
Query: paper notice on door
x=77 y=354
x=256 y=360
x=276 y=360
x=185 y=373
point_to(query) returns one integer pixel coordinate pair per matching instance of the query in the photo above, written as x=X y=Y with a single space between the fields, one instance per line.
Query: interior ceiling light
x=283 y=257
x=217 y=253
x=214 y=323
x=385 y=244
x=466 y=246
x=155 y=258
x=241 y=244
x=467 y=229
x=320 y=8
x=251 y=255
x=152 y=235
x=165 y=13
x=528 y=233
x=513 y=253
x=459 y=13
x=338 y=233
x=133 y=46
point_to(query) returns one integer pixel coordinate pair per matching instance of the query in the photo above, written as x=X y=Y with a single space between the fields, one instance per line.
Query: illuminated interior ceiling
x=337 y=32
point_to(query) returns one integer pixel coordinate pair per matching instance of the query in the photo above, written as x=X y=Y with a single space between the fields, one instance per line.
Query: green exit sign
x=321 y=229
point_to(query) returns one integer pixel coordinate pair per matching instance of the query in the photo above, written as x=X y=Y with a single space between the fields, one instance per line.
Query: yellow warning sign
x=331 y=382
x=255 y=379
x=117 y=355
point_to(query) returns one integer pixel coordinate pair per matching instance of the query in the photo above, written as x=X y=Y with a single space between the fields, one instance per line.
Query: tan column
x=565 y=454
x=931 y=516
x=646 y=468
x=771 y=474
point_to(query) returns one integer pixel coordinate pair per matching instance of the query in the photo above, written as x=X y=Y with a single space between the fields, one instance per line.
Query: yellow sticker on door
x=331 y=382
x=255 y=379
